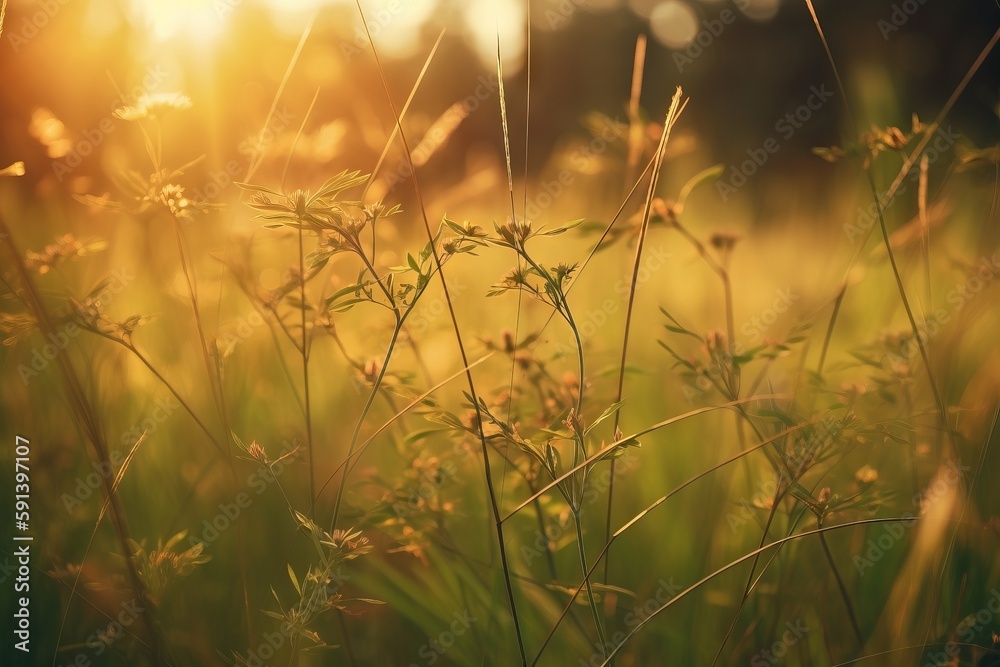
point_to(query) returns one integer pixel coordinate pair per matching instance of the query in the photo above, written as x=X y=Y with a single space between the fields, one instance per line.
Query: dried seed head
x=374 y=210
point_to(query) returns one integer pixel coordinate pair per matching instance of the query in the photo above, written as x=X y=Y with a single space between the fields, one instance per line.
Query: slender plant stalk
x=879 y=207
x=591 y=600
x=215 y=382
x=580 y=450
x=829 y=329
x=513 y=217
x=843 y=591
x=87 y=419
x=925 y=229
x=635 y=127
x=128 y=345
x=942 y=413
x=461 y=347
x=638 y=434
x=725 y=568
x=361 y=419
x=304 y=350
x=398 y=415
x=645 y=512
x=675 y=104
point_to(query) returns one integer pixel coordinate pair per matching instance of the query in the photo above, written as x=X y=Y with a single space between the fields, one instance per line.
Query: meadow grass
x=502 y=439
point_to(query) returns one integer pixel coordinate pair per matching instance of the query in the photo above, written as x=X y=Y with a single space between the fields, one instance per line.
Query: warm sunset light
x=497 y=333
x=189 y=19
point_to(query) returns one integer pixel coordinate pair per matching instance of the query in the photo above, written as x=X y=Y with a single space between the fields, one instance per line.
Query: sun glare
x=194 y=19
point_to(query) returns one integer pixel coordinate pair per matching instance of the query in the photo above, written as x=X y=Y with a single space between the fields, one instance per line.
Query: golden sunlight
x=490 y=333
x=168 y=19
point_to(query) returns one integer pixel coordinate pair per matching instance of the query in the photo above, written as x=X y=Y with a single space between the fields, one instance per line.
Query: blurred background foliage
x=787 y=239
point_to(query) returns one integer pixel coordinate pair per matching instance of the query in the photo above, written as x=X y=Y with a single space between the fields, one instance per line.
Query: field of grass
x=439 y=333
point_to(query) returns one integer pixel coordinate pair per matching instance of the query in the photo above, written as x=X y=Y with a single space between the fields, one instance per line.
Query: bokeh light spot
x=674 y=24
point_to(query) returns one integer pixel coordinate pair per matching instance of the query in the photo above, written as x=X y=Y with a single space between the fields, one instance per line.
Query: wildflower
x=173 y=198
x=316 y=212
x=153 y=105
x=162 y=566
x=255 y=453
x=374 y=211
x=563 y=271
x=65 y=247
x=515 y=233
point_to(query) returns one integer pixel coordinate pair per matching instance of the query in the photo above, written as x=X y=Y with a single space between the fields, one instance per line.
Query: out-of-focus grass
x=422 y=580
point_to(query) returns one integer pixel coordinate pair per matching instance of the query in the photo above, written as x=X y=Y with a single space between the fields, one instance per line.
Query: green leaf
x=350 y=289
x=412 y=263
x=345 y=306
x=780 y=416
x=704 y=176
x=619 y=450
x=259 y=188
x=445 y=418
x=422 y=435
x=295 y=582
x=425 y=252
x=338 y=183
x=455 y=227
x=560 y=230
x=677 y=327
x=611 y=409
x=580 y=599
x=98 y=288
